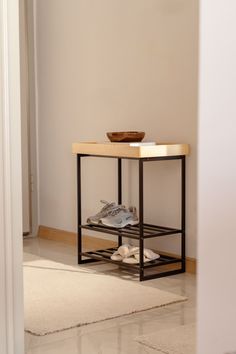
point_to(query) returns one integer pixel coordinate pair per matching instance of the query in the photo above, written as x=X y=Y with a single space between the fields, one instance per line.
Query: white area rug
x=59 y=297
x=179 y=340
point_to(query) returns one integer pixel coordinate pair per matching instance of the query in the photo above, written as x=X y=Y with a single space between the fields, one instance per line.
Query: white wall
x=115 y=65
x=217 y=176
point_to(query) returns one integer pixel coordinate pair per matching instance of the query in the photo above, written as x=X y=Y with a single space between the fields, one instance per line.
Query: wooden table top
x=127 y=151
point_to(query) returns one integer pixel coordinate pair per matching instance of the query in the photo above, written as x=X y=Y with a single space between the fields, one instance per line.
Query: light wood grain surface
x=125 y=150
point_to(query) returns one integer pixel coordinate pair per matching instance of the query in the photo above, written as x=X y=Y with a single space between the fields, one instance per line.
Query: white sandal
x=130 y=260
x=116 y=256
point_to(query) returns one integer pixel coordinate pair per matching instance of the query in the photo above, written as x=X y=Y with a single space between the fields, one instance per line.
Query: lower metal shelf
x=105 y=255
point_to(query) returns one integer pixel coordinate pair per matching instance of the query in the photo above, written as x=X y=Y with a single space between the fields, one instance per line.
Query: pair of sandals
x=130 y=254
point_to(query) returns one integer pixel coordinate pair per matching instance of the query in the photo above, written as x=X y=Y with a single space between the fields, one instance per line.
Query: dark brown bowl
x=125 y=137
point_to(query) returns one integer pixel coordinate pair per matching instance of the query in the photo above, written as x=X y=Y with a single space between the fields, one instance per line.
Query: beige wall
x=115 y=65
x=217 y=176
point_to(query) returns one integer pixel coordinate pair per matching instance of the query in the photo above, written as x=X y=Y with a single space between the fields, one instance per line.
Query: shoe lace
x=111 y=209
x=106 y=206
x=116 y=210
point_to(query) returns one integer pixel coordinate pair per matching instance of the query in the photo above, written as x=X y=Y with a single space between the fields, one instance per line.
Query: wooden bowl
x=125 y=137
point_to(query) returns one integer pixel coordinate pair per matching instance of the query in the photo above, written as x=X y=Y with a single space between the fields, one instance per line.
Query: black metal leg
x=79 y=231
x=183 y=212
x=119 y=192
x=141 y=266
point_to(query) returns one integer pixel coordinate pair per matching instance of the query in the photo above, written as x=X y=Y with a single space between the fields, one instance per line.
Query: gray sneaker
x=105 y=211
x=120 y=218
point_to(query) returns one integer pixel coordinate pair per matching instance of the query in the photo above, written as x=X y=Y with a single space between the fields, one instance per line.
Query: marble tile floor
x=114 y=336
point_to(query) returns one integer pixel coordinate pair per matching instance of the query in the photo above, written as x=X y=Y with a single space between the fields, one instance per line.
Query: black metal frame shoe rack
x=140 y=232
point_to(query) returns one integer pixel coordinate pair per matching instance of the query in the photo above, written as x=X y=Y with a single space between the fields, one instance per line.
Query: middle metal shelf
x=149 y=230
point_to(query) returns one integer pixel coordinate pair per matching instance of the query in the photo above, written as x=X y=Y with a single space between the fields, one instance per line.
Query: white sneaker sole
x=120 y=226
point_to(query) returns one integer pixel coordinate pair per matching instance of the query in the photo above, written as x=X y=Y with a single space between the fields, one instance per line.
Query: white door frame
x=11 y=279
x=30 y=104
x=33 y=112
